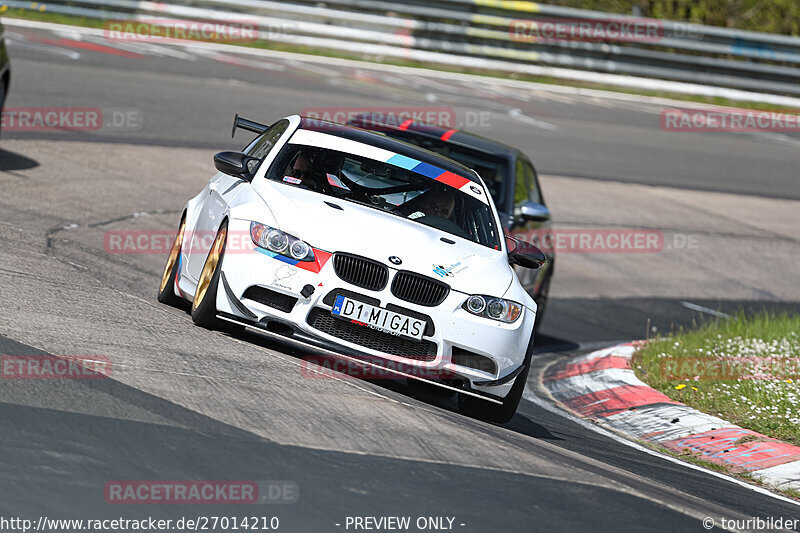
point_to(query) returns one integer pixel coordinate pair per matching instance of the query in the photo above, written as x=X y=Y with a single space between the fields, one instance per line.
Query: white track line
x=706 y=310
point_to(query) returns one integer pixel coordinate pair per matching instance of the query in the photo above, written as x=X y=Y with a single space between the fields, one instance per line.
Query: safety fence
x=501 y=35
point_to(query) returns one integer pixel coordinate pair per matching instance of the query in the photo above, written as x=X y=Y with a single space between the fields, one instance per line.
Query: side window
x=521 y=179
x=261 y=147
x=534 y=193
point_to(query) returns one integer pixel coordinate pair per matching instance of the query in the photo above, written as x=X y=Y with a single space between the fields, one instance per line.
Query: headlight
x=299 y=249
x=279 y=242
x=497 y=309
x=494 y=308
x=476 y=304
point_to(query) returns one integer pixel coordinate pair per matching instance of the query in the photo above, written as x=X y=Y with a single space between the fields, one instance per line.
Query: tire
x=491 y=412
x=204 y=305
x=166 y=291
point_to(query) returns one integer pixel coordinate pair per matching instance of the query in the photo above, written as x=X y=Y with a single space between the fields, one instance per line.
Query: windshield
x=392 y=189
x=493 y=170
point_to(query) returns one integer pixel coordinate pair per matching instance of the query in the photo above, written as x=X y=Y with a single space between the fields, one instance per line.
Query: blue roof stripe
x=428 y=170
x=403 y=162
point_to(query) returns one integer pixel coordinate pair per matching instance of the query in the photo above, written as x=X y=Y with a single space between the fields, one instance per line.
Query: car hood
x=465 y=266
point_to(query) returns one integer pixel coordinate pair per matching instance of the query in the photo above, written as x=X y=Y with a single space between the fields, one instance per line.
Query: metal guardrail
x=481 y=32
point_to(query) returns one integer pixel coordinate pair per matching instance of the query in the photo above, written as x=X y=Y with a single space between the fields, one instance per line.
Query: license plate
x=378 y=318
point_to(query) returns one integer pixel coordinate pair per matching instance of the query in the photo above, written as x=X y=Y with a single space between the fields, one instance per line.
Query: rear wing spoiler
x=249 y=125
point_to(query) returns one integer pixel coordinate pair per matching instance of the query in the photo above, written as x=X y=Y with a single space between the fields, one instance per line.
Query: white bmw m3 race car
x=351 y=244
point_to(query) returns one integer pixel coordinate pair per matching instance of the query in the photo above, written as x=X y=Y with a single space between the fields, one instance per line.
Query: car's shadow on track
x=426 y=393
x=10 y=161
x=548 y=344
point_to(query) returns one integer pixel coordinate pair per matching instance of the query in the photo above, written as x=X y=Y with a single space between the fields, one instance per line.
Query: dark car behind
x=507 y=172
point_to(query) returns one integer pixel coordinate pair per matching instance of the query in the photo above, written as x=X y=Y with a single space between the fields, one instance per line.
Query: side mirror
x=234 y=164
x=533 y=212
x=526 y=255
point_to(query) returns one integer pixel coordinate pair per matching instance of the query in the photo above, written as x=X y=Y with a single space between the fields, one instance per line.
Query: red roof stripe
x=453 y=180
x=449 y=133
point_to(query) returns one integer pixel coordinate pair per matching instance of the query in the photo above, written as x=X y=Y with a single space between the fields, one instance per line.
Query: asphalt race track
x=184 y=403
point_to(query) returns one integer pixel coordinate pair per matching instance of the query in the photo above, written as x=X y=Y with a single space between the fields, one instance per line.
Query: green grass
x=46 y=16
x=742 y=369
x=792 y=493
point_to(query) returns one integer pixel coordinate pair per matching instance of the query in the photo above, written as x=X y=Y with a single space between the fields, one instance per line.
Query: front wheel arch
x=499 y=414
x=171 y=273
x=204 y=302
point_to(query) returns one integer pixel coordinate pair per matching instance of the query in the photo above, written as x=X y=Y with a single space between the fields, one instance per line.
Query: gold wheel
x=209 y=267
x=173 y=256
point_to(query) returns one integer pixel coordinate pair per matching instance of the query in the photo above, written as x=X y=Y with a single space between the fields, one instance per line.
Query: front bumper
x=338 y=351
x=304 y=320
